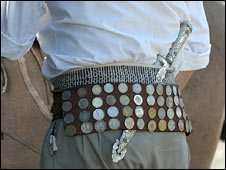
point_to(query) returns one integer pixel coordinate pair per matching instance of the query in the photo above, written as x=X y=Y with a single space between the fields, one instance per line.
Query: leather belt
x=112 y=106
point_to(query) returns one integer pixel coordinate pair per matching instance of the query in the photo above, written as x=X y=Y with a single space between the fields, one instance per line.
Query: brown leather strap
x=74 y=99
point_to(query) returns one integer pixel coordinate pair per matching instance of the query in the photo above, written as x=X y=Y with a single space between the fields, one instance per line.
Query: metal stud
x=160 y=100
x=181 y=125
x=69 y=118
x=113 y=111
x=129 y=123
x=66 y=106
x=159 y=89
x=169 y=102
x=152 y=126
x=140 y=124
x=84 y=116
x=100 y=126
x=83 y=103
x=171 y=125
x=175 y=90
x=110 y=100
x=97 y=102
x=176 y=100
x=170 y=113
x=70 y=130
x=127 y=111
x=162 y=125
x=168 y=90
x=122 y=87
x=82 y=92
x=161 y=113
x=178 y=112
x=108 y=88
x=96 y=89
x=124 y=100
x=66 y=95
x=152 y=113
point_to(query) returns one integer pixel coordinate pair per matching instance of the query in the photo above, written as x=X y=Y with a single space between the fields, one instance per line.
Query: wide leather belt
x=99 y=107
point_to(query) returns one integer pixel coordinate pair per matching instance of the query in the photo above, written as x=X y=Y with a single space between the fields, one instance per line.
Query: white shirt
x=75 y=34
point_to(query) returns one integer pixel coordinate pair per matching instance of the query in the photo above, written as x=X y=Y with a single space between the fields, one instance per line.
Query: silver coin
x=129 y=123
x=113 y=111
x=66 y=95
x=137 y=88
x=98 y=114
x=181 y=102
x=174 y=90
x=122 y=87
x=178 y=112
x=82 y=92
x=70 y=130
x=127 y=111
x=84 y=116
x=160 y=100
x=170 y=113
x=96 y=89
x=168 y=90
x=66 y=106
x=114 y=124
x=159 y=89
x=151 y=100
x=69 y=118
x=179 y=92
x=97 y=102
x=138 y=100
x=176 y=100
x=108 y=88
x=87 y=127
x=150 y=89
x=100 y=126
x=187 y=126
x=83 y=103
x=184 y=114
x=124 y=100
x=190 y=126
x=139 y=111
x=169 y=102
x=171 y=125
x=140 y=124
x=161 y=113
x=110 y=100
x=181 y=125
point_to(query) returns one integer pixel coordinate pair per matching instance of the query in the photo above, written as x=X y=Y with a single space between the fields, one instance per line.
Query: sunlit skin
x=182 y=78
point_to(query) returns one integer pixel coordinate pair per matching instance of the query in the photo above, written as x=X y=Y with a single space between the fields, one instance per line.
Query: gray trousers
x=145 y=150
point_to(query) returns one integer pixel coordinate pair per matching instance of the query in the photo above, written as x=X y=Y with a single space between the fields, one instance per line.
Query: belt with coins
x=113 y=97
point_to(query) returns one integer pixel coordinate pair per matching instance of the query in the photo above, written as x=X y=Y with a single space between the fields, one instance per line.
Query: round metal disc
x=176 y=100
x=190 y=126
x=171 y=125
x=124 y=100
x=122 y=87
x=129 y=123
x=140 y=124
x=162 y=125
x=152 y=113
x=66 y=95
x=98 y=114
x=150 y=89
x=178 y=112
x=70 y=130
x=127 y=111
x=139 y=111
x=170 y=113
x=96 y=89
x=87 y=127
x=82 y=92
x=179 y=92
x=97 y=102
x=187 y=126
x=168 y=90
x=66 y=106
x=184 y=114
x=152 y=126
x=110 y=100
x=83 y=103
x=113 y=111
x=69 y=118
x=108 y=88
x=137 y=88
x=169 y=102
x=159 y=89
x=181 y=102
x=114 y=124
x=138 y=100
x=160 y=100
x=100 y=126
x=174 y=90
x=161 y=113
x=151 y=100
x=84 y=116
x=181 y=125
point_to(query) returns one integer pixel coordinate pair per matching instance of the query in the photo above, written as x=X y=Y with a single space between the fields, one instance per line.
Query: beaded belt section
x=112 y=106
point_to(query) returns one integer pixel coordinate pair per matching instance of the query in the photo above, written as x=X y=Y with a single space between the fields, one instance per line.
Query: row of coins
x=127 y=111
x=123 y=88
x=114 y=124
x=97 y=102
